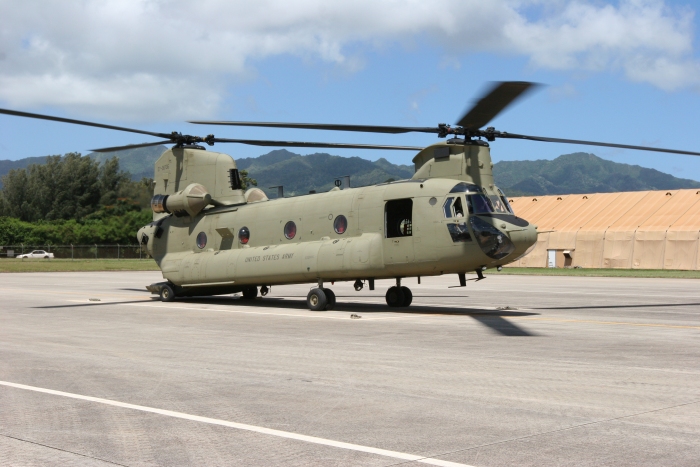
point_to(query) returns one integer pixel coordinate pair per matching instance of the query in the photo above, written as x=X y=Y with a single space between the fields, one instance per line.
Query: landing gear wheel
x=330 y=297
x=407 y=296
x=395 y=296
x=167 y=294
x=316 y=300
x=249 y=293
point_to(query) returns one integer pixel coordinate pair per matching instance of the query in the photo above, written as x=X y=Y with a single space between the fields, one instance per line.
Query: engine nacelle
x=188 y=202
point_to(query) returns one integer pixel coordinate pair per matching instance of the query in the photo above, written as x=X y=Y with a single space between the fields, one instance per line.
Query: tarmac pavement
x=512 y=370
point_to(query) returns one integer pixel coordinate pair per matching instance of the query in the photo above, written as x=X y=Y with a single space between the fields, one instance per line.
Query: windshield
x=480 y=204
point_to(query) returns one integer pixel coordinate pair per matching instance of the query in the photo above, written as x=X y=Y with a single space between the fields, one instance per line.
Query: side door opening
x=398 y=218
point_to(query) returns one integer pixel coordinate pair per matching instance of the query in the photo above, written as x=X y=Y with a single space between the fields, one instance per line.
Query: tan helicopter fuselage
x=409 y=228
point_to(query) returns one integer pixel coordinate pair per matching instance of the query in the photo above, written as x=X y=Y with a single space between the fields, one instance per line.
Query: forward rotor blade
x=298 y=144
x=327 y=126
x=131 y=146
x=493 y=103
x=594 y=143
x=80 y=122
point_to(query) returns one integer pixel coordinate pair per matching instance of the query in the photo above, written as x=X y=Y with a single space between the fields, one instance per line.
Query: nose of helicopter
x=503 y=238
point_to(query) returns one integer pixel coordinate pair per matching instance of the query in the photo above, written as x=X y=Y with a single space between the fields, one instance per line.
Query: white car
x=36 y=254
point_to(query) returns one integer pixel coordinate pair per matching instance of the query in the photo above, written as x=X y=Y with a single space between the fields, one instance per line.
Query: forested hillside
x=571 y=173
x=300 y=174
x=581 y=173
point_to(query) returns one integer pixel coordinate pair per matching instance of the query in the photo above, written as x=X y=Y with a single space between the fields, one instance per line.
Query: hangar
x=629 y=230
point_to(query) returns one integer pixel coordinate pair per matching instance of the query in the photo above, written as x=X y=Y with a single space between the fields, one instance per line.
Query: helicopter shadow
x=495 y=320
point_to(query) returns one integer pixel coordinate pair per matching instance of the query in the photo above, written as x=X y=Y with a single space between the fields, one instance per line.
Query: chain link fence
x=78 y=251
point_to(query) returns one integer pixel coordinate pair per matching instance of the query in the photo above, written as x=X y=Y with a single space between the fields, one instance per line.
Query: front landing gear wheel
x=249 y=293
x=167 y=294
x=330 y=297
x=395 y=296
x=317 y=300
x=407 y=296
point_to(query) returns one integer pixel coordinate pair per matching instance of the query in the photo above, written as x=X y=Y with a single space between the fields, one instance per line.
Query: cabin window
x=398 y=217
x=340 y=225
x=290 y=230
x=201 y=240
x=244 y=235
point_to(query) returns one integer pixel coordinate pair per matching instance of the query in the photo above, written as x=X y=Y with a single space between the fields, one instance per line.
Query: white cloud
x=143 y=58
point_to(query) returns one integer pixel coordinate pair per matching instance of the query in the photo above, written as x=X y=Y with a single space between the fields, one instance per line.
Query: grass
x=67 y=265
x=662 y=273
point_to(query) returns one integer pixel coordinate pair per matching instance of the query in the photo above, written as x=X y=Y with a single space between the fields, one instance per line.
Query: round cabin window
x=406 y=227
x=201 y=240
x=290 y=230
x=340 y=225
x=244 y=235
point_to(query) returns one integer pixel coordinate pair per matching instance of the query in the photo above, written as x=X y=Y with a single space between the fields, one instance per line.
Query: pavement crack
x=62 y=450
x=519 y=438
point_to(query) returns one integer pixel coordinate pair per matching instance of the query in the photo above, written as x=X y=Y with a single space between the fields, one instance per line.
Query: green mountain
x=138 y=162
x=570 y=173
x=300 y=174
x=581 y=173
x=6 y=165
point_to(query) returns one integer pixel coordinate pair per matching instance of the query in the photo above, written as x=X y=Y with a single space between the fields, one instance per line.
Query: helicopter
x=209 y=236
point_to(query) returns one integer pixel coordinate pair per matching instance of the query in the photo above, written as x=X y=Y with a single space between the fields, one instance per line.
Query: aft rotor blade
x=299 y=144
x=327 y=126
x=494 y=102
x=131 y=146
x=80 y=122
x=594 y=143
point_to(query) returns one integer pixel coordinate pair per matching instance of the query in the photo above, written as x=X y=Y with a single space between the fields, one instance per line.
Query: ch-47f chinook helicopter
x=211 y=237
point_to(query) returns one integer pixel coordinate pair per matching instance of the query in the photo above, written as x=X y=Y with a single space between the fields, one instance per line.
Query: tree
x=246 y=181
x=111 y=180
x=68 y=187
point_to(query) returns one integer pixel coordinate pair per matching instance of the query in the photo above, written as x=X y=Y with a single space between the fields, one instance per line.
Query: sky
x=624 y=71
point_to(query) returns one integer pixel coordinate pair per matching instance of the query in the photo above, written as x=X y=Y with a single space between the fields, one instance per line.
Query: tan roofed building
x=644 y=230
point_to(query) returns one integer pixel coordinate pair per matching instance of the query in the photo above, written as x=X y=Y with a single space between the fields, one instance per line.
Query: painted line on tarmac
x=243 y=426
x=610 y=323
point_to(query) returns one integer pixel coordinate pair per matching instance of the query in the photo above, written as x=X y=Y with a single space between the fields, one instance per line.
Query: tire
x=394 y=297
x=167 y=294
x=330 y=297
x=250 y=293
x=316 y=300
x=407 y=296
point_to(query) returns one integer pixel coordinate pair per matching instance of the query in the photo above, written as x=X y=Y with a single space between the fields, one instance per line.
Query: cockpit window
x=504 y=198
x=481 y=204
x=447 y=207
x=463 y=187
x=498 y=205
x=457 y=208
x=453 y=207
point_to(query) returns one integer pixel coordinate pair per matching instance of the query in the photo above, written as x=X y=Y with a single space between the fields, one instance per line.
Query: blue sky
x=625 y=72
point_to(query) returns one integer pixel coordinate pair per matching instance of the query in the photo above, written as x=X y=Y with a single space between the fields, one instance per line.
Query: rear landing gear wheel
x=330 y=297
x=395 y=296
x=167 y=294
x=316 y=300
x=249 y=293
x=407 y=296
